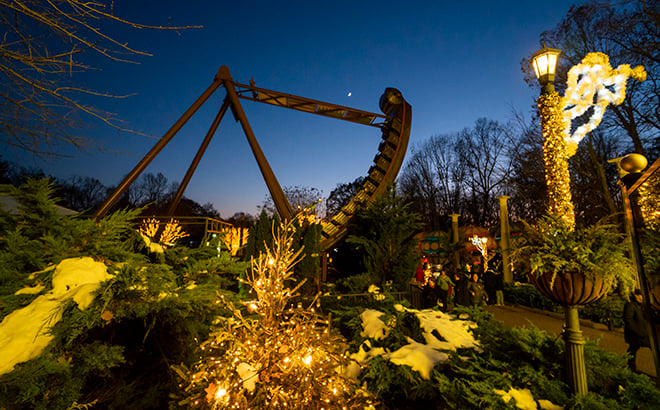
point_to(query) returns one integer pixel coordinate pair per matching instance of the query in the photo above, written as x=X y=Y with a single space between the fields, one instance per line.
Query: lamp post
x=545 y=65
x=557 y=178
x=454 y=241
x=505 y=234
x=555 y=146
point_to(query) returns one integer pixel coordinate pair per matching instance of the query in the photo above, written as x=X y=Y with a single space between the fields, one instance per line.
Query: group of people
x=467 y=287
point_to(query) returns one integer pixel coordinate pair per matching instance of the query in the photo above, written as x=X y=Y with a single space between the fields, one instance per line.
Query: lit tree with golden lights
x=281 y=356
x=555 y=157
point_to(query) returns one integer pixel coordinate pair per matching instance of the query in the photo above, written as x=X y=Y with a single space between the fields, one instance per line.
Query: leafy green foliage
x=383 y=233
x=198 y=265
x=46 y=382
x=261 y=234
x=519 y=358
x=310 y=265
x=307 y=237
x=117 y=352
x=597 y=251
x=527 y=295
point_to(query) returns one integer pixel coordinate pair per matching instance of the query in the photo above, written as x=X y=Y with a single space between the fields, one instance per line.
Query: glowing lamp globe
x=633 y=163
x=544 y=62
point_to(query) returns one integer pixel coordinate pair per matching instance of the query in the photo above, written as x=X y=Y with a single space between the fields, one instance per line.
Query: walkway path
x=610 y=340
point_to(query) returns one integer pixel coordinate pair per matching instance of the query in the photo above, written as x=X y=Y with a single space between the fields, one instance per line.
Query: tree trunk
x=626 y=117
x=607 y=196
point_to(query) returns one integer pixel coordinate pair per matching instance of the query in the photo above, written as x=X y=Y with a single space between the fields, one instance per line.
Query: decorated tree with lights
x=279 y=355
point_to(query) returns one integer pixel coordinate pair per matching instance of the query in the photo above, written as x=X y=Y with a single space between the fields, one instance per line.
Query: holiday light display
x=150 y=227
x=234 y=237
x=172 y=231
x=482 y=245
x=648 y=203
x=285 y=358
x=594 y=84
x=555 y=158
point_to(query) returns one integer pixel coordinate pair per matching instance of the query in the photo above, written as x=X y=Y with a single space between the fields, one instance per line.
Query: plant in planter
x=575 y=266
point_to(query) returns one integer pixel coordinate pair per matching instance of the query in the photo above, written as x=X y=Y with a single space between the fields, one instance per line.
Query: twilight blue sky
x=453 y=61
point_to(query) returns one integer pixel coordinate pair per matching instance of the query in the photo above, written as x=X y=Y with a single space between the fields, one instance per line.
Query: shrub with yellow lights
x=150 y=227
x=281 y=356
x=555 y=158
x=172 y=231
x=234 y=238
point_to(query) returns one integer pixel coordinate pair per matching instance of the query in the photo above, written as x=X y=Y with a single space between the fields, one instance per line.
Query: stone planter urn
x=572 y=289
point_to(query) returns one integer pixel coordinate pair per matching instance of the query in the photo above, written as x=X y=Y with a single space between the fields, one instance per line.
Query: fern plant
x=597 y=251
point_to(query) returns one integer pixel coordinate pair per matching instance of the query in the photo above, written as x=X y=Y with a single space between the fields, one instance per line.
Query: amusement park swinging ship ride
x=395 y=123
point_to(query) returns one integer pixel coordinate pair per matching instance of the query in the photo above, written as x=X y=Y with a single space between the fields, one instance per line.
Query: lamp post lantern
x=544 y=62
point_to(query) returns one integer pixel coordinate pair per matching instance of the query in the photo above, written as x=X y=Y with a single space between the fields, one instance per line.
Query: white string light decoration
x=593 y=83
x=477 y=241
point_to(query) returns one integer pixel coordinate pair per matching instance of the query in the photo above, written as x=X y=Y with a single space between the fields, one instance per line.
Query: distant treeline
x=152 y=192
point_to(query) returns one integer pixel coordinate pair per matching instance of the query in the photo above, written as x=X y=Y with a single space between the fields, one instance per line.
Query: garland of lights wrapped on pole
x=555 y=157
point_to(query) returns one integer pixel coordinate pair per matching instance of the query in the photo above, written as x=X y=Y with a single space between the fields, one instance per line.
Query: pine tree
x=384 y=233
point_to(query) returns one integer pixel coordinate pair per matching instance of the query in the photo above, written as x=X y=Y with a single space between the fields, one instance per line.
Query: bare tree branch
x=45 y=43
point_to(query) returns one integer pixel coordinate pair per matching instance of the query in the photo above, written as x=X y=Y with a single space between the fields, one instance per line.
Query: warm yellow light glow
x=234 y=238
x=482 y=245
x=221 y=392
x=591 y=84
x=544 y=62
x=287 y=353
x=555 y=158
x=149 y=227
x=649 y=192
x=172 y=232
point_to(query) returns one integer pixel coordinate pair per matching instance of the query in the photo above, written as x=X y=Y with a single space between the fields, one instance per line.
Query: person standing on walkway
x=461 y=293
x=499 y=288
x=635 y=330
x=442 y=282
x=478 y=296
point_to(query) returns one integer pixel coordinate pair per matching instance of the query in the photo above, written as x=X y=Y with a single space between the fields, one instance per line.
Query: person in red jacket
x=421 y=266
